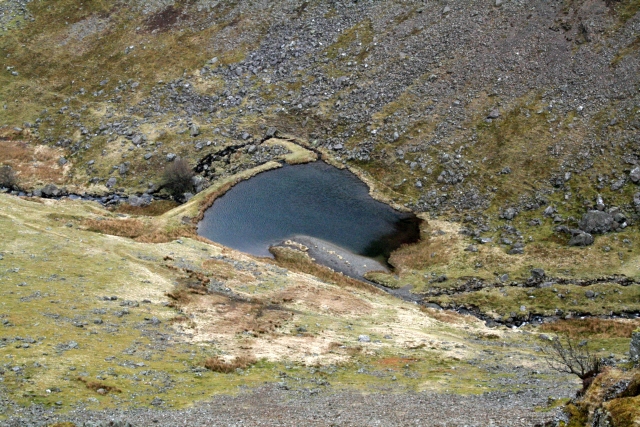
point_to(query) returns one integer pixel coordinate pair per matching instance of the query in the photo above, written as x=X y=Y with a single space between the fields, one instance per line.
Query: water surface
x=314 y=199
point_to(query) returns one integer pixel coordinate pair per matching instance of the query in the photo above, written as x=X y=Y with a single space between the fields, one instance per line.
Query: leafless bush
x=565 y=355
x=8 y=177
x=178 y=178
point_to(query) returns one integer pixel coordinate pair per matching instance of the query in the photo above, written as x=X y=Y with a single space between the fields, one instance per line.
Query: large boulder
x=597 y=222
x=635 y=175
x=50 y=190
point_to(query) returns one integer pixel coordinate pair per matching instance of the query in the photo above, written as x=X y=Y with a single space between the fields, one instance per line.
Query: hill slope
x=511 y=127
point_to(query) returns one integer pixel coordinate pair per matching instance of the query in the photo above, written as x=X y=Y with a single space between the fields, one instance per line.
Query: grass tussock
x=300 y=262
x=592 y=328
x=625 y=411
x=217 y=364
x=99 y=387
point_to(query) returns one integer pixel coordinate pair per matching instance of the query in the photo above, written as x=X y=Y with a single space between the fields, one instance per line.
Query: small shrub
x=8 y=177
x=178 y=178
x=573 y=358
x=217 y=364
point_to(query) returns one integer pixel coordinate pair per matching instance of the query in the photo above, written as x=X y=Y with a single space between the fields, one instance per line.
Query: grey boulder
x=50 y=190
x=143 y=200
x=538 y=273
x=494 y=114
x=596 y=222
x=581 y=239
x=271 y=132
x=364 y=338
x=111 y=182
x=509 y=213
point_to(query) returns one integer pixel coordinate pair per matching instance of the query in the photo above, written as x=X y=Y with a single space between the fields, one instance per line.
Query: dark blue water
x=314 y=199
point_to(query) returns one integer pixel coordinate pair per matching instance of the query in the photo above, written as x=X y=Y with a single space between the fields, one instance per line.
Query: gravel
x=271 y=406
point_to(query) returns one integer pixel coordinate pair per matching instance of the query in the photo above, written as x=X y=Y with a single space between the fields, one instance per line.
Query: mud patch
x=163 y=21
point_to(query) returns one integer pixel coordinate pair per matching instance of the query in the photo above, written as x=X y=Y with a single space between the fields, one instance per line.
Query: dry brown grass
x=179 y=319
x=217 y=364
x=219 y=269
x=32 y=200
x=179 y=297
x=32 y=163
x=167 y=235
x=354 y=351
x=300 y=262
x=429 y=251
x=592 y=328
x=447 y=316
x=97 y=385
x=156 y=208
x=396 y=362
x=15 y=152
x=130 y=228
x=139 y=230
